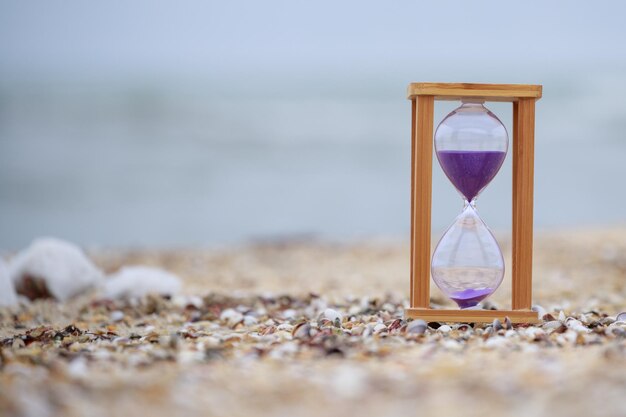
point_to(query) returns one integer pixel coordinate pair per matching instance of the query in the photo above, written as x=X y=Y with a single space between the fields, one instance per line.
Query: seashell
x=464 y=327
x=380 y=327
x=285 y=326
x=357 y=330
x=54 y=268
x=332 y=315
x=231 y=317
x=562 y=316
x=489 y=305
x=249 y=320
x=417 y=327
x=289 y=314
x=301 y=331
x=451 y=344
x=116 y=316
x=497 y=325
x=496 y=342
x=621 y=316
x=553 y=324
x=576 y=325
x=444 y=329
x=507 y=323
x=540 y=310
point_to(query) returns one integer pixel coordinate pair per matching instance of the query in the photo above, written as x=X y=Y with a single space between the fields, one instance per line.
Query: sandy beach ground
x=305 y=328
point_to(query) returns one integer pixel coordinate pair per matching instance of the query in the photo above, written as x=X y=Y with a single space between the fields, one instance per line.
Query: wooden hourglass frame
x=523 y=97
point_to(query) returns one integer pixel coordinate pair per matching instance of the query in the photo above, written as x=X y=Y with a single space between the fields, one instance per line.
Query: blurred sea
x=162 y=164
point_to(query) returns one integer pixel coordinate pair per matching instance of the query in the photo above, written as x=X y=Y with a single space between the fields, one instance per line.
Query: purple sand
x=470 y=171
x=470 y=297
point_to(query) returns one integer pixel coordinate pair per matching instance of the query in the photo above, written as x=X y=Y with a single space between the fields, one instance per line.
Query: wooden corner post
x=523 y=97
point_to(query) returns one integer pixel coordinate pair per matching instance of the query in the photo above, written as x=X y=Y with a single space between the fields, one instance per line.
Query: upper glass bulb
x=471 y=144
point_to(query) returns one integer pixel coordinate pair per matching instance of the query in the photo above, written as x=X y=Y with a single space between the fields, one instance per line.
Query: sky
x=295 y=39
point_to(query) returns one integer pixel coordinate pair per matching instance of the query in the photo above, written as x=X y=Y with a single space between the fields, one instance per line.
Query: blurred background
x=208 y=123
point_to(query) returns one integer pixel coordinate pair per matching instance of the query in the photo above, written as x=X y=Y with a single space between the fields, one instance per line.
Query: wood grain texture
x=472 y=316
x=487 y=92
x=413 y=120
x=523 y=181
x=422 y=156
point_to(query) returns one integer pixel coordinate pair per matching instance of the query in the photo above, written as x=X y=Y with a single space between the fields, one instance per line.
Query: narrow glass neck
x=469 y=203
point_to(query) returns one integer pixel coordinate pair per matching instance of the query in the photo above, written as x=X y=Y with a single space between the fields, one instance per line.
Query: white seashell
x=554 y=324
x=621 y=316
x=444 y=329
x=577 y=326
x=534 y=332
x=379 y=328
x=332 y=315
x=8 y=297
x=231 y=316
x=496 y=342
x=510 y=333
x=249 y=321
x=289 y=313
x=62 y=267
x=139 y=281
x=540 y=310
x=285 y=326
x=451 y=344
x=116 y=316
x=562 y=316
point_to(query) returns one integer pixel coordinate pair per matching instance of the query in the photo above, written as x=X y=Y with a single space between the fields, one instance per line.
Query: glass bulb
x=467 y=264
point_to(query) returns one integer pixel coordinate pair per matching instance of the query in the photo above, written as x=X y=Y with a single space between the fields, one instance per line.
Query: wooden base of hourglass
x=523 y=97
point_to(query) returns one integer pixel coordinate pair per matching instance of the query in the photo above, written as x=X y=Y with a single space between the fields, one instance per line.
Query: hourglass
x=471 y=144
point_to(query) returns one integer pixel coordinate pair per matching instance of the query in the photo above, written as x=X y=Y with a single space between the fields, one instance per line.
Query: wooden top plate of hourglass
x=523 y=97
